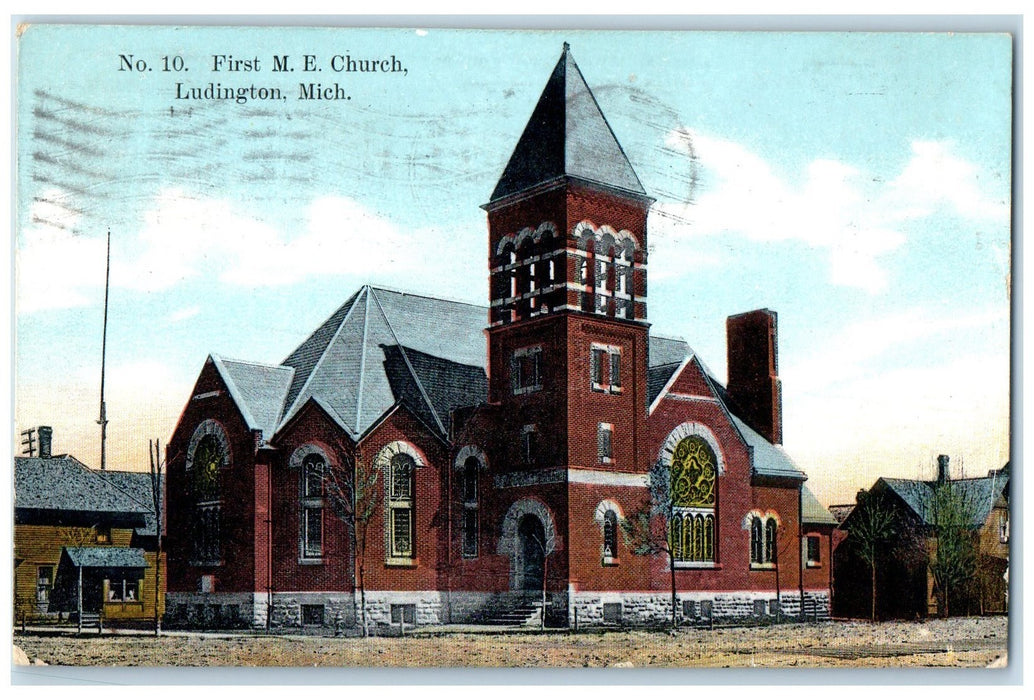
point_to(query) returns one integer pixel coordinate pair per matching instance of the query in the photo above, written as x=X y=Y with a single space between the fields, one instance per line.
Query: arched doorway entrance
x=531 y=548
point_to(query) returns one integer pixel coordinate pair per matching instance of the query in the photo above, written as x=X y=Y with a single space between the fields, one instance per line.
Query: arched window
x=694 y=480
x=770 y=541
x=207 y=456
x=757 y=541
x=470 y=506
x=764 y=540
x=310 y=498
x=610 y=535
x=401 y=506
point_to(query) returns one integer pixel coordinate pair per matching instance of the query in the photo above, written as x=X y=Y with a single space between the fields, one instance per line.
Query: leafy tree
x=647 y=530
x=954 y=561
x=351 y=489
x=873 y=526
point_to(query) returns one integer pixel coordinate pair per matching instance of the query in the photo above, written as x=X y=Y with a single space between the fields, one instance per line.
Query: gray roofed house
x=978 y=494
x=63 y=491
x=137 y=485
x=103 y=557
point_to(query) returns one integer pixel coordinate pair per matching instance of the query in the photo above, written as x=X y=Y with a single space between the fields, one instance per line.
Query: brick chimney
x=753 y=372
x=46 y=435
x=943 y=474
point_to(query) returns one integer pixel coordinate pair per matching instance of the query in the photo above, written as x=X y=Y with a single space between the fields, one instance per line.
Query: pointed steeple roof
x=567 y=135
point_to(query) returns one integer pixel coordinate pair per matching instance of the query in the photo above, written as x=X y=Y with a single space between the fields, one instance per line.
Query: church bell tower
x=567 y=262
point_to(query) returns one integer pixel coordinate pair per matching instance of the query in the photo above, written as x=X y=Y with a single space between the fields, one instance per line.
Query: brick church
x=509 y=441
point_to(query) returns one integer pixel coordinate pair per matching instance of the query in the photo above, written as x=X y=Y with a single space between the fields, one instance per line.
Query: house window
x=529 y=444
x=44 y=583
x=311 y=506
x=612 y=613
x=526 y=370
x=1003 y=527
x=814 y=551
x=605 y=368
x=604 y=443
x=764 y=550
x=123 y=590
x=102 y=535
x=610 y=537
x=694 y=475
x=470 y=507
x=401 y=506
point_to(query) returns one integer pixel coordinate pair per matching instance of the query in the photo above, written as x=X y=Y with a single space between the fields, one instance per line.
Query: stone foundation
x=613 y=609
x=215 y=610
x=388 y=610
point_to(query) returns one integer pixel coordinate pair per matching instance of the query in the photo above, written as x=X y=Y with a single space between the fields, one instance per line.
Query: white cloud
x=55 y=266
x=184 y=313
x=835 y=207
x=894 y=424
x=187 y=236
x=887 y=394
x=936 y=178
x=852 y=352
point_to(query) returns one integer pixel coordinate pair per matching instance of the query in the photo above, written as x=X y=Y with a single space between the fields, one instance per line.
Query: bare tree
x=157 y=501
x=954 y=561
x=873 y=525
x=351 y=489
x=543 y=546
x=647 y=530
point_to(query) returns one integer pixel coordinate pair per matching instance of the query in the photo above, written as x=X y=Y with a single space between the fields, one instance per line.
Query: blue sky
x=858 y=184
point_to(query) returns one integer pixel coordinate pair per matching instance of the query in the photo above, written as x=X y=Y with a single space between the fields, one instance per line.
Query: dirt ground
x=965 y=642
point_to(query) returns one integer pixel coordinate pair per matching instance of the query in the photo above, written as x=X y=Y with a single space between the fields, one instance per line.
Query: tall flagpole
x=103 y=420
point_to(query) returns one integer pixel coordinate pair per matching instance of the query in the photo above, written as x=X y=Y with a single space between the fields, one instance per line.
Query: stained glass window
x=694 y=479
x=693 y=473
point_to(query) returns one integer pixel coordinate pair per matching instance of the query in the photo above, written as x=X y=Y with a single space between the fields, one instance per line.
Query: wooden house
x=80 y=529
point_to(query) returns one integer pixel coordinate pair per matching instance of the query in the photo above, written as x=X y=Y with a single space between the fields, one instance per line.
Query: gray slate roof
x=258 y=390
x=978 y=494
x=768 y=459
x=567 y=135
x=137 y=485
x=379 y=349
x=107 y=557
x=64 y=484
x=383 y=347
x=812 y=511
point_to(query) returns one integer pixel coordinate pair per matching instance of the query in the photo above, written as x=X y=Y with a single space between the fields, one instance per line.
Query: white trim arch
x=756 y=514
x=303 y=451
x=687 y=429
x=501 y=247
x=383 y=458
x=214 y=428
x=465 y=453
x=523 y=236
x=603 y=507
x=509 y=541
x=544 y=228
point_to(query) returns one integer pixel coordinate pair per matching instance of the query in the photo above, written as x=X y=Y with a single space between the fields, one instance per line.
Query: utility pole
x=29 y=442
x=103 y=420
